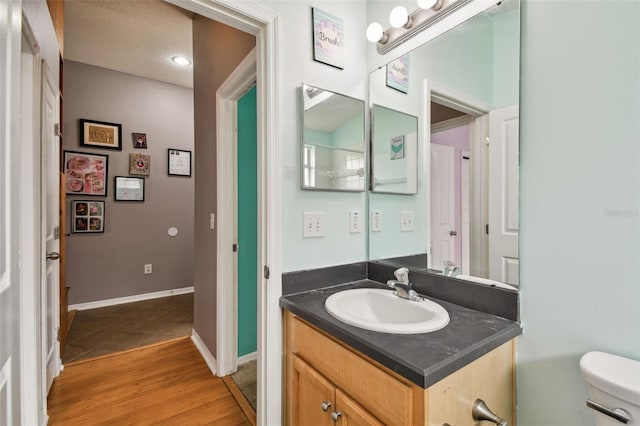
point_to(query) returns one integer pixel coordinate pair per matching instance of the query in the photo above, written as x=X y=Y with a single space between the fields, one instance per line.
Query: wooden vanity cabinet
x=322 y=372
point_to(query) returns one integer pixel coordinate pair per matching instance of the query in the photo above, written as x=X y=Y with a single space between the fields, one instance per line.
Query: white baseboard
x=204 y=351
x=247 y=358
x=129 y=299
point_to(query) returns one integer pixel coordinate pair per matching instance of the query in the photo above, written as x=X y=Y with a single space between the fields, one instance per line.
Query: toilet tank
x=614 y=383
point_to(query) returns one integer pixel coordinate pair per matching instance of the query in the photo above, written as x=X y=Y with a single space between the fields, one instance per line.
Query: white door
x=10 y=315
x=443 y=232
x=503 y=194
x=50 y=150
x=465 y=213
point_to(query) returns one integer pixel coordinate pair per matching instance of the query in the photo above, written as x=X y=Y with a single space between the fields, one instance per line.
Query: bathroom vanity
x=339 y=373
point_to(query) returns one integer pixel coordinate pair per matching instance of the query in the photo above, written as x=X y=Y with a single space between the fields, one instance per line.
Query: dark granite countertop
x=422 y=358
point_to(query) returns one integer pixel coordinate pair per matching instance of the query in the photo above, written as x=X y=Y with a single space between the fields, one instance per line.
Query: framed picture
x=86 y=173
x=328 y=38
x=397 y=148
x=398 y=74
x=139 y=140
x=179 y=162
x=100 y=134
x=129 y=189
x=139 y=164
x=87 y=216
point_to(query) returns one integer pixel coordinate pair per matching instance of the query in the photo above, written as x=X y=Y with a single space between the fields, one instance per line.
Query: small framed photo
x=398 y=74
x=139 y=140
x=87 y=216
x=328 y=38
x=139 y=164
x=86 y=173
x=397 y=148
x=129 y=189
x=100 y=134
x=179 y=162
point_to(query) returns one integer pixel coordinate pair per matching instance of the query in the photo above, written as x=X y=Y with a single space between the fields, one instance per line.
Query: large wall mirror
x=332 y=147
x=463 y=87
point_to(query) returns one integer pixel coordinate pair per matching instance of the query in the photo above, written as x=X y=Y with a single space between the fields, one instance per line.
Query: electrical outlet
x=376 y=221
x=354 y=222
x=313 y=225
x=406 y=221
x=148 y=268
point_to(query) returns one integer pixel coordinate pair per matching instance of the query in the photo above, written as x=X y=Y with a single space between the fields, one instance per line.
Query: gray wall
x=217 y=51
x=110 y=265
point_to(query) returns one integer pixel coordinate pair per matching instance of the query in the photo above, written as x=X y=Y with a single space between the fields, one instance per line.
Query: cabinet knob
x=324 y=405
x=335 y=416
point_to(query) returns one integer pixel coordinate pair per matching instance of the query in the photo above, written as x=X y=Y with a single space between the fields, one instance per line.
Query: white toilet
x=614 y=388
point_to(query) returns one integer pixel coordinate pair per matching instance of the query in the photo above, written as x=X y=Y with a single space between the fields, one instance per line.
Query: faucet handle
x=402 y=274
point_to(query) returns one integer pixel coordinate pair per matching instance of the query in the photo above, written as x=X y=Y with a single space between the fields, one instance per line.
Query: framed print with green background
x=179 y=162
x=128 y=189
x=100 y=134
x=87 y=216
x=86 y=173
x=328 y=38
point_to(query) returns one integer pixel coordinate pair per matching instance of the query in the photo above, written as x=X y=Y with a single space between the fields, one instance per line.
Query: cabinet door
x=351 y=413
x=310 y=391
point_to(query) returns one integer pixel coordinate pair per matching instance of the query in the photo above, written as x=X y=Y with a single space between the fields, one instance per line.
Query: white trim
x=227 y=96
x=263 y=23
x=129 y=299
x=204 y=351
x=451 y=123
x=247 y=358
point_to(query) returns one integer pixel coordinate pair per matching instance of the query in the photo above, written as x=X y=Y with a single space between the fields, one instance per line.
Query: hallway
x=167 y=383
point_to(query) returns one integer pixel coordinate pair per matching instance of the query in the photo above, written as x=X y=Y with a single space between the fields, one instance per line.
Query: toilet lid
x=613 y=374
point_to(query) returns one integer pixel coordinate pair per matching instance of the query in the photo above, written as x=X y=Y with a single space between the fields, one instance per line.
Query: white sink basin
x=380 y=310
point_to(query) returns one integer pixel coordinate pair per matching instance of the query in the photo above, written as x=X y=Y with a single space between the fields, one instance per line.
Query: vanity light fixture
x=404 y=26
x=181 y=60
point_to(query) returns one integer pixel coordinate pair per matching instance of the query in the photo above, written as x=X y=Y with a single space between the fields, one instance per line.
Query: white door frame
x=478 y=110
x=263 y=23
x=227 y=96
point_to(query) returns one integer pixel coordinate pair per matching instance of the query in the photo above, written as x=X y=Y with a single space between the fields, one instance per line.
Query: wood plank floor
x=168 y=383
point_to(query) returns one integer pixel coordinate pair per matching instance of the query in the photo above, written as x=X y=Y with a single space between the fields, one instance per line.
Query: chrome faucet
x=403 y=287
x=450 y=269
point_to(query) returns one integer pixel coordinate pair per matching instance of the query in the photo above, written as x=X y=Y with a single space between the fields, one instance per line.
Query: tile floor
x=102 y=331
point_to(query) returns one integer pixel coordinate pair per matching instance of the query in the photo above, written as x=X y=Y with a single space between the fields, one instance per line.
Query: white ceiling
x=133 y=36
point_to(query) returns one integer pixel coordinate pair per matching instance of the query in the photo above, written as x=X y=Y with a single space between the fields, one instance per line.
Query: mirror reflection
x=332 y=147
x=464 y=89
x=394 y=151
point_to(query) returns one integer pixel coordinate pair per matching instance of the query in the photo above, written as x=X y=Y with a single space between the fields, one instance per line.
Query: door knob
x=453 y=233
x=481 y=412
x=324 y=405
x=54 y=255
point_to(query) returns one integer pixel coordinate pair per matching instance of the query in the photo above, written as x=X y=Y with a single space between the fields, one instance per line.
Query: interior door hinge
x=56 y=233
x=236 y=247
x=486 y=229
x=266 y=272
x=58 y=334
x=56 y=129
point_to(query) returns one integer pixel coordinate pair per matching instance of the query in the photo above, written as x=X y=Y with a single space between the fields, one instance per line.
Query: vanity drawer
x=388 y=398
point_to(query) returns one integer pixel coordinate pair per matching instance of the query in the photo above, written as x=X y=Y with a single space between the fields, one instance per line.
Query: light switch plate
x=355 y=220
x=376 y=221
x=406 y=221
x=313 y=225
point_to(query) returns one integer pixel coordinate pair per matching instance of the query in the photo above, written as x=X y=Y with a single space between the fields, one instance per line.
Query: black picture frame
x=128 y=188
x=86 y=173
x=100 y=134
x=178 y=162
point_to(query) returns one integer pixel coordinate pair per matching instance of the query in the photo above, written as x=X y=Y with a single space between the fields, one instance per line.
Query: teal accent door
x=247 y=223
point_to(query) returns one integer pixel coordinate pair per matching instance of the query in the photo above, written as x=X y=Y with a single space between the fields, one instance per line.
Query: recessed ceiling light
x=181 y=60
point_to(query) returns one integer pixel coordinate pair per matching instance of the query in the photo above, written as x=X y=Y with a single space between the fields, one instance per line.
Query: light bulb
x=181 y=60
x=398 y=17
x=375 y=32
x=430 y=4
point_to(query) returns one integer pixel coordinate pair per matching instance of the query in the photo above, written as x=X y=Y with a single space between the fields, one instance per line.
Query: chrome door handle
x=453 y=233
x=617 y=413
x=54 y=255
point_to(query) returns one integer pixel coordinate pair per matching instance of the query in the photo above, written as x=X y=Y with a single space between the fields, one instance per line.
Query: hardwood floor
x=168 y=383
